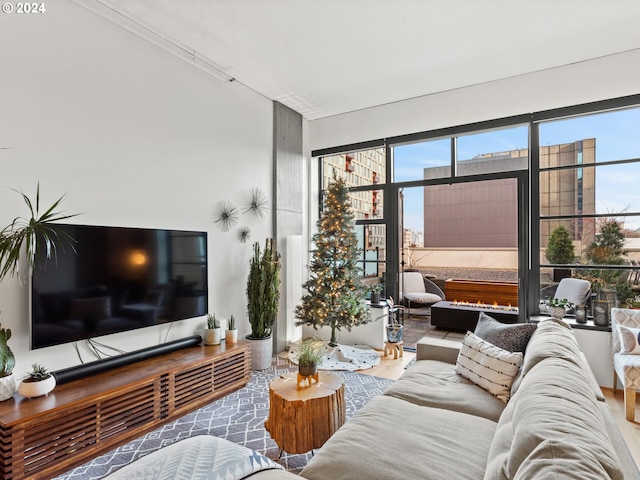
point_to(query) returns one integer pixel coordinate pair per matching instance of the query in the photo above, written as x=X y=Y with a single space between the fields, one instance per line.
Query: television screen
x=117 y=279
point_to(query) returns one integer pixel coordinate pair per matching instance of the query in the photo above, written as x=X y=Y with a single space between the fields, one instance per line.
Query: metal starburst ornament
x=226 y=215
x=257 y=204
x=244 y=234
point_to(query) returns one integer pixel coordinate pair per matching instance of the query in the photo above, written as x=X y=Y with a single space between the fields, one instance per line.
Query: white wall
x=135 y=137
x=600 y=79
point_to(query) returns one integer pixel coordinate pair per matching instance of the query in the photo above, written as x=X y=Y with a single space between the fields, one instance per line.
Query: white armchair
x=626 y=367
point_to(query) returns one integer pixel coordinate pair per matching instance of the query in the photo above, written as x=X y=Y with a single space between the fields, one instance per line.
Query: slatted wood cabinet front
x=45 y=436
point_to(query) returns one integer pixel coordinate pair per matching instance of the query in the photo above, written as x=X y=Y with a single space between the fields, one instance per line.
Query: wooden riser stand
x=45 y=436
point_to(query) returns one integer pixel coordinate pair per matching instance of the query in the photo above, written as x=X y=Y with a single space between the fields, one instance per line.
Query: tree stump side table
x=302 y=418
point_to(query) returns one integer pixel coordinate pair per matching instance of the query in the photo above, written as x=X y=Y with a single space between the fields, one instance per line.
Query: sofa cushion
x=554 y=408
x=512 y=337
x=436 y=384
x=488 y=366
x=552 y=459
x=393 y=439
x=629 y=340
x=552 y=338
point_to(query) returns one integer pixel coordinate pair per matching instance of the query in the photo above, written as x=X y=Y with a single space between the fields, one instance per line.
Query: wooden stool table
x=302 y=418
x=395 y=347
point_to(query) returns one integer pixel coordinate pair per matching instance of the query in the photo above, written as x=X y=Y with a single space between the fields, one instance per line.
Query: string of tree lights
x=335 y=295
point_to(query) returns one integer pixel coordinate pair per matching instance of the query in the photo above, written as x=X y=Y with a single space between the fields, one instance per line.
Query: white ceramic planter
x=7 y=387
x=231 y=336
x=261 y=352
x=35 y=389
x=212 y=336
x=557 y=312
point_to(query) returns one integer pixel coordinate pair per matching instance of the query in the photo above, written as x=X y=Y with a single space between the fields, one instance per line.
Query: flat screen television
x=117 y=279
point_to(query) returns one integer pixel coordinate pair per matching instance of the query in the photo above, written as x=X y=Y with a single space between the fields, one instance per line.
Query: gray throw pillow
x=512 y=337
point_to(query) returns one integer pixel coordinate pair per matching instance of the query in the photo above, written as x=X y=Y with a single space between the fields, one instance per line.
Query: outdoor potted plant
x=263 y=297
x=7 y=362
x=231 y=336
x=560 y=250
x=39 y=382
x=212 y=332
x=558 y=307
x=310 y=356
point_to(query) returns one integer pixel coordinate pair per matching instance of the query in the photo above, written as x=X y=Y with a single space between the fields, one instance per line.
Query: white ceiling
x=327 y=57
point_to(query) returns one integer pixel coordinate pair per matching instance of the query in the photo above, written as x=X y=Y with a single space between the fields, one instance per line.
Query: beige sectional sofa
x=435 y=424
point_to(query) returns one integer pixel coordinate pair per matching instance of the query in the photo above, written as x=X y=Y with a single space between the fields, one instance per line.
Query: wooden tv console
x=45 y=436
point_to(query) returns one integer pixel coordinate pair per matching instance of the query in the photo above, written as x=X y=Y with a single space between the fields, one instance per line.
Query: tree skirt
x=343 y=357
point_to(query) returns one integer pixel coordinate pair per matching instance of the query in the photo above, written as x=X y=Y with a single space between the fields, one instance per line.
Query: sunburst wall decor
x=225 y=215
x=257 y=204
x=244 y=234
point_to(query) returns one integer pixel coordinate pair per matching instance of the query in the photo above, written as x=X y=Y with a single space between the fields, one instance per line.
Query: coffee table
x=302 y=418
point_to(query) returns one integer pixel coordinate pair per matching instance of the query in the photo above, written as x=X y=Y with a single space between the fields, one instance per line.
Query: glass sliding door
x=464 y=231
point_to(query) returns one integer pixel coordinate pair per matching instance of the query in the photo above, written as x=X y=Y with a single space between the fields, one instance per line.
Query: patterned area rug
x=238 y=417
x=342 y=357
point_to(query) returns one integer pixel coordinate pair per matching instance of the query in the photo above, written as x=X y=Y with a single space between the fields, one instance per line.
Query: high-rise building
x=366 y=167
x=485 y=213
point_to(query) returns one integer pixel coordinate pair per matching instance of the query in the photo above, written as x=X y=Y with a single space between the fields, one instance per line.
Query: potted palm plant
x=263 y=298
x=39 y=382
x=212 y=332
x=28 y=232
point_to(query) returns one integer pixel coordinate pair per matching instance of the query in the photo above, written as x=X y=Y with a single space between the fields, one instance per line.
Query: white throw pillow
x=629 y=340
x=488 y=366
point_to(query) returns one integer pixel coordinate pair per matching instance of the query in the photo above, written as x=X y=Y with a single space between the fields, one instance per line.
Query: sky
x=617 y=186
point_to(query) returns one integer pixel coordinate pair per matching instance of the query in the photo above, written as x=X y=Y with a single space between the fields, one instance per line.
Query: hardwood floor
x=393 y=369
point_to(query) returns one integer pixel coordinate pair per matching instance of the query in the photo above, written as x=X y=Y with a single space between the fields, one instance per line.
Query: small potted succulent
x=231 y=336
x=39 y=382
x=7 y=362
x=310 y=356
x=558 y=307
x=212 y=334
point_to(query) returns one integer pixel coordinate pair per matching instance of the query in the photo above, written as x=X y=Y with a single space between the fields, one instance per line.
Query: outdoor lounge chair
x=576 y=290
x=417 y=290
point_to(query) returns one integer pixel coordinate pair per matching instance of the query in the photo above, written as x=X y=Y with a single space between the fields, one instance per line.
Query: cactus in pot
x=7 y=362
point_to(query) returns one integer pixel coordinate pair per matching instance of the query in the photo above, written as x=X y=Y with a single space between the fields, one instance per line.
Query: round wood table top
x=286 y=386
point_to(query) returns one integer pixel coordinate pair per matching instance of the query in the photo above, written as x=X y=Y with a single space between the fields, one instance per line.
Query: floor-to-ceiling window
x=365 y=172
x=589 y=172
x=580 y=166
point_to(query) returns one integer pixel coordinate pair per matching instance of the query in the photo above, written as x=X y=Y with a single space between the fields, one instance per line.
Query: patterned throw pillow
x=488 y=366
x=629 y=340
x=512 y=337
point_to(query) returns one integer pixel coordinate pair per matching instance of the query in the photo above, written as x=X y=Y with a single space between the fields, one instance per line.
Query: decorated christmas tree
x=335 y=294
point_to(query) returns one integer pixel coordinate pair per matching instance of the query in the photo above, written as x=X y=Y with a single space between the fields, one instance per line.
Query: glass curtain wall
x=364 y=171
x=583 y=167
x=588 y=178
